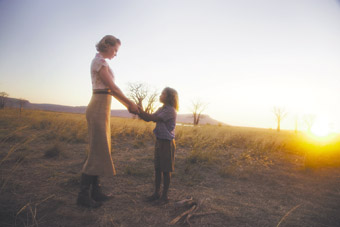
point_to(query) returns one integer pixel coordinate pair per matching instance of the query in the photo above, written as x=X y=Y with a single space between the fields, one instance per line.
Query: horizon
x=312 y=135
x=240 y=58
x=123 y=109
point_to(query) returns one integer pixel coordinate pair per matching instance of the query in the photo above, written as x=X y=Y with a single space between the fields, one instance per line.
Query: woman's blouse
x=97 y=63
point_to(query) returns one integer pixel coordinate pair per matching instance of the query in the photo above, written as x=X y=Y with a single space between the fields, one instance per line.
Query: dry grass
x=240 y=176
x=53 y=151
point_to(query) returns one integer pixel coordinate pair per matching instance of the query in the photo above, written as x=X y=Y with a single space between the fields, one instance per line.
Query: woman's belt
x=102 y=91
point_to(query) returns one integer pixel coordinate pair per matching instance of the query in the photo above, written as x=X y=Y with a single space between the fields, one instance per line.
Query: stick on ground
x=291 y=210
x=175 y=220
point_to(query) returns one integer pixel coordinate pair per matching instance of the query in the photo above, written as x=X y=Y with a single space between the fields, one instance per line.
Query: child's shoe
x=164 y=199
x=155 y=196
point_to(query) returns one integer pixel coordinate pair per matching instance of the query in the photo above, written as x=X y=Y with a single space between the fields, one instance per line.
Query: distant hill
x=181 y=118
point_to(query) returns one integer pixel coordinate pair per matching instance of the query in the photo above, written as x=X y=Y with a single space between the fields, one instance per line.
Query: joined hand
x=133 y=109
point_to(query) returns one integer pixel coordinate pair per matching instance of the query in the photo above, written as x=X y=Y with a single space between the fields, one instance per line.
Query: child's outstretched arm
x=146 y=116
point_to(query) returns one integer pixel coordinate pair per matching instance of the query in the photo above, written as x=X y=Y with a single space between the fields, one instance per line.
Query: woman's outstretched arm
x=116 y=92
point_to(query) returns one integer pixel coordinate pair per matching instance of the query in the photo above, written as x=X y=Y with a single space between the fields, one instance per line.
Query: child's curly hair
x=171 y=97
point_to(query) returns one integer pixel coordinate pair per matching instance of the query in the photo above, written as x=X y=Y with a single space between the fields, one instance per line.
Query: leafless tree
x=22 y=103
x=142 y=95
x=3 y=96
x=151 y=102
x=280 y=114
x=296 y=124
x=309 y=120
x=197 y=108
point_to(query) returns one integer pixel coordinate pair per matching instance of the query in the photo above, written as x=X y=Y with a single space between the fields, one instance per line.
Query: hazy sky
x=241 y=57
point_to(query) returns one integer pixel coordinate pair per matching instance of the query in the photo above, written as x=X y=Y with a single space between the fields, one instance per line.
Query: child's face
x=162 y=98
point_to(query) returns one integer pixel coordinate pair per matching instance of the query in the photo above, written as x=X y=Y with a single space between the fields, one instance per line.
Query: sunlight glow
x=321 y=128
x=322 y=139
x=321 y=132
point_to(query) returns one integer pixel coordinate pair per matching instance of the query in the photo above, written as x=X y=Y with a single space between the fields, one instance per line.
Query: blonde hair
x=171 y=97
x=106 y=41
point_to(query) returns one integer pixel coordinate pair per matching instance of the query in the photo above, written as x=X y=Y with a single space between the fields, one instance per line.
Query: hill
x=181 y=118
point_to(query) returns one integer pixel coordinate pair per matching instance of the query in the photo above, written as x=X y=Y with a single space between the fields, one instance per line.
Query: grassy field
x=237 y=176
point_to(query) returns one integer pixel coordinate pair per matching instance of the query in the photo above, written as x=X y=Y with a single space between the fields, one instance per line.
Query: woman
x=99 y=161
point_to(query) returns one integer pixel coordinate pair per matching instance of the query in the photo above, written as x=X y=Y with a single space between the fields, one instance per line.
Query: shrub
x=53 y=151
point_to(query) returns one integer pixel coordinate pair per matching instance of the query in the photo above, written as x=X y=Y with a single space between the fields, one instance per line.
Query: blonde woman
x=99 y=161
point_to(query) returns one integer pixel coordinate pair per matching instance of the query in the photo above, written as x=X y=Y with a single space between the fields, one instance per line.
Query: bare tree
x=143 y=96
x=280 y=114
x=151 y=102
x=296 y=124
x=3 y=96
x=197 y=108
x=22 y=103
x=309 y=120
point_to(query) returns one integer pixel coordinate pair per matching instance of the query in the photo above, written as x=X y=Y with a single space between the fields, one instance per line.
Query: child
x=165 y=118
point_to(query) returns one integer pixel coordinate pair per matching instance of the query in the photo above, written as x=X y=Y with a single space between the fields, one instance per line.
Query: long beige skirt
x=99 y=160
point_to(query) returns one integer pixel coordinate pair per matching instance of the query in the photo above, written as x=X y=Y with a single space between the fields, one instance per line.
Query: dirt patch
x=42 y=191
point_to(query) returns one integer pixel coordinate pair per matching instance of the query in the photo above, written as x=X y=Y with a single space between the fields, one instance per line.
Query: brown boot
x=97 y=194
x=156 y=195
x=84 y=198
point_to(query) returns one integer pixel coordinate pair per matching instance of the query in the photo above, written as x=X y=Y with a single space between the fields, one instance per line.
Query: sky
x=241 y=58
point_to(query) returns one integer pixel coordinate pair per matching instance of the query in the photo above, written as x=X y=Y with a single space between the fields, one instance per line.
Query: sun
x=321 y=128
x=321 y=131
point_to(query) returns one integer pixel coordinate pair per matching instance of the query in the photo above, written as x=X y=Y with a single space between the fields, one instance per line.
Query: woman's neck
x=104 y=55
